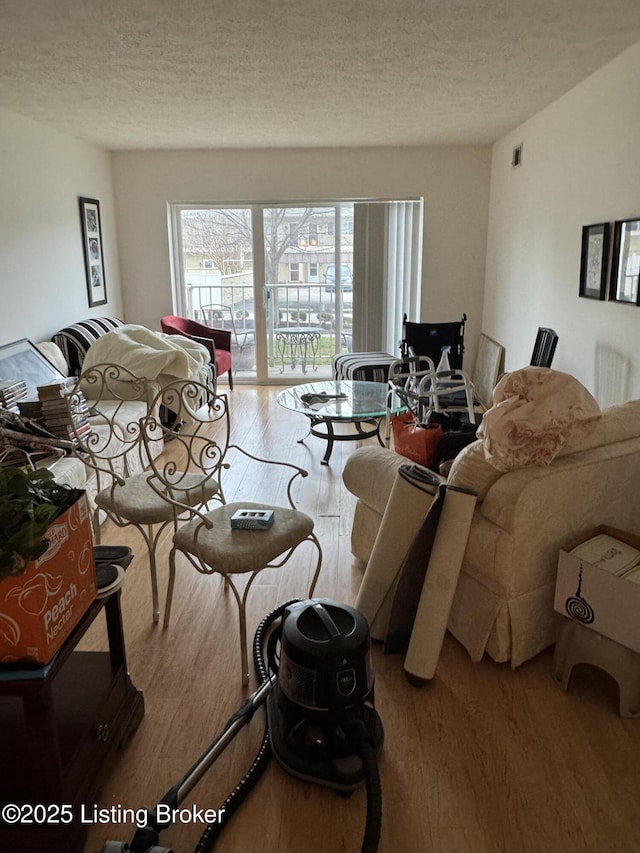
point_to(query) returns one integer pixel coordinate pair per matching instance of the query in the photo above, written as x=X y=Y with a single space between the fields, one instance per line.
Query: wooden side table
x=57 y=734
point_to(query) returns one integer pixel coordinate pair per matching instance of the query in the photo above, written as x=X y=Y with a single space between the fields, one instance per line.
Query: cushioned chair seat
x=139 y=504
x=238 y=551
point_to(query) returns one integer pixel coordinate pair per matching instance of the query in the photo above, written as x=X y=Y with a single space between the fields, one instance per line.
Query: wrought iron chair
x=107 y=434
x=217 y=341
x=208 y=542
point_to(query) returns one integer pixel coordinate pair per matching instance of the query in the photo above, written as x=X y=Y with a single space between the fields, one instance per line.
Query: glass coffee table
x=362 y=404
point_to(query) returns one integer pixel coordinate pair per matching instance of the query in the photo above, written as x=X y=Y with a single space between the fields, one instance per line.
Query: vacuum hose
x=356 y=730
x=367 y=753
x=244 y=787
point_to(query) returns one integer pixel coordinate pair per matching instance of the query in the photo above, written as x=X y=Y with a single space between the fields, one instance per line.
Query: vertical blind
x=387 y=272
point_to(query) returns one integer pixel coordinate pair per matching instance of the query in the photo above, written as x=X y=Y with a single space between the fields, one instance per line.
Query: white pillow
x=53 y=353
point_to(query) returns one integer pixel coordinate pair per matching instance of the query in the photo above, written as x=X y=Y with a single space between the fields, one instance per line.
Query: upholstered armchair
x=217 y=341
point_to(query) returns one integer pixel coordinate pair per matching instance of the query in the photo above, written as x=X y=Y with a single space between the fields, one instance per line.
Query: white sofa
x=503 y=603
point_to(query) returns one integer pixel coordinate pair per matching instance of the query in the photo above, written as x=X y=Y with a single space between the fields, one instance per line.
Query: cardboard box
x=39 y=608
x=596 y=598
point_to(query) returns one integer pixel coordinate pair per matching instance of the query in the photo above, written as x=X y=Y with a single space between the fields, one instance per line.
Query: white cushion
x=53 y=353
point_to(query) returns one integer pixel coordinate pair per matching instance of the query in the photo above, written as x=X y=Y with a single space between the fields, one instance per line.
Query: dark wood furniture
x=58 y=732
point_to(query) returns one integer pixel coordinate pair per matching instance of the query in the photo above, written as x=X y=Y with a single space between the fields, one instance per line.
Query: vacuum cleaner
x=321 y=724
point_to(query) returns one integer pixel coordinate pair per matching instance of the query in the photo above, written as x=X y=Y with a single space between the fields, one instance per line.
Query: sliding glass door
x=289 y=282
x=308 y=261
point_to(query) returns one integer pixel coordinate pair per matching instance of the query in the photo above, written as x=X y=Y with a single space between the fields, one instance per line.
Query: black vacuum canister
x=325 y=655
x=325 y=682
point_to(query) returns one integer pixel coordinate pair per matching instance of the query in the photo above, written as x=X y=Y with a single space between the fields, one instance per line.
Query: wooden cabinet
x=58 y=732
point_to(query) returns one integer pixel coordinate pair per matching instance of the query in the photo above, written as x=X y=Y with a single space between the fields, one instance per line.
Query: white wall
x=42 y=275
x=580 y=166
x=453 y=181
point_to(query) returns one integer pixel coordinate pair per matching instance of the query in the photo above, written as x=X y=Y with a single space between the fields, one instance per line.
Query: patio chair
x=216 y=315
x=217 y=341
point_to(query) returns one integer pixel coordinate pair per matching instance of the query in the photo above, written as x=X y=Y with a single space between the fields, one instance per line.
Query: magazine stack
x=11 y=392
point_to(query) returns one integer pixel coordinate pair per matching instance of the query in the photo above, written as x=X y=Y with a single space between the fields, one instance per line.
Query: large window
x=325 y=270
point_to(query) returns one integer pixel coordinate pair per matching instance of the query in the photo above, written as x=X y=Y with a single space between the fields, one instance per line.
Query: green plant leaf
x=29 y=502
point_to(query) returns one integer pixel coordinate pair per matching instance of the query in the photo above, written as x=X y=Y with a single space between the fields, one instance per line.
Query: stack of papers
x=611 y=555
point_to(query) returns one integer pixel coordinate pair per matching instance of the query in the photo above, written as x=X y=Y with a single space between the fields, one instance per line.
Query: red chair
x=217 y=341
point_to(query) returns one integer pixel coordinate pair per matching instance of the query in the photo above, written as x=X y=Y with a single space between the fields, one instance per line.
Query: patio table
x=299 y=342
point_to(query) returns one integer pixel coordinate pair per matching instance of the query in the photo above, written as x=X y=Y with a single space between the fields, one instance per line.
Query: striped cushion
x=363 y=366
x=74 y=341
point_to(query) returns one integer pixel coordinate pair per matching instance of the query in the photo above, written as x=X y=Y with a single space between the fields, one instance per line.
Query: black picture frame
x=594 y=260
x=93 y=254
x=625 y=262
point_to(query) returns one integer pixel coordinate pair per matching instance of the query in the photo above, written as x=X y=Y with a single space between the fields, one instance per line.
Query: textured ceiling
x=277 y=73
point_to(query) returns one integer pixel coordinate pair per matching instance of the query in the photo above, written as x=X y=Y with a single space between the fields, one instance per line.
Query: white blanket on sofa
x=150 y=354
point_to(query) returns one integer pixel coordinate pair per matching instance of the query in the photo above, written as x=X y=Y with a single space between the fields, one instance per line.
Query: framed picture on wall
x=594 y=260
x=93 y=257
x=625 y=262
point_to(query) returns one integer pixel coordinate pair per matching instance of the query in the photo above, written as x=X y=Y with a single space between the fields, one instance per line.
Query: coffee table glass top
x=357 y=400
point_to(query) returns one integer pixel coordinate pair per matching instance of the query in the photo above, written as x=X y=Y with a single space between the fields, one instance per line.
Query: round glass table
x=363 y=404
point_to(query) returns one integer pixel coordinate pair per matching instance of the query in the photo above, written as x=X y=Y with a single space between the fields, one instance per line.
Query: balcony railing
x=307 y=306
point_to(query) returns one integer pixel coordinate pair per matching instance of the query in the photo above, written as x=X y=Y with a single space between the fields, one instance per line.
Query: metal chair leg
x=154 y=576
x=172 y=580
x=242 y=619
x=244 y=661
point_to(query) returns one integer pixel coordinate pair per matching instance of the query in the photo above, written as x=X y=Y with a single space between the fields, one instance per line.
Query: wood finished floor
x=483 y=759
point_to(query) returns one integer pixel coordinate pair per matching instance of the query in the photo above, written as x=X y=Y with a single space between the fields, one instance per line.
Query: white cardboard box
x=596 y=598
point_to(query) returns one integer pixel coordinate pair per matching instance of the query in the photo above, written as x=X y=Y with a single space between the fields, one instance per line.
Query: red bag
x=415 y=441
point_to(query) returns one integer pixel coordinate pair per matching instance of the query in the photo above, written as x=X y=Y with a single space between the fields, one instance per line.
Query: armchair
x=217 y=341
